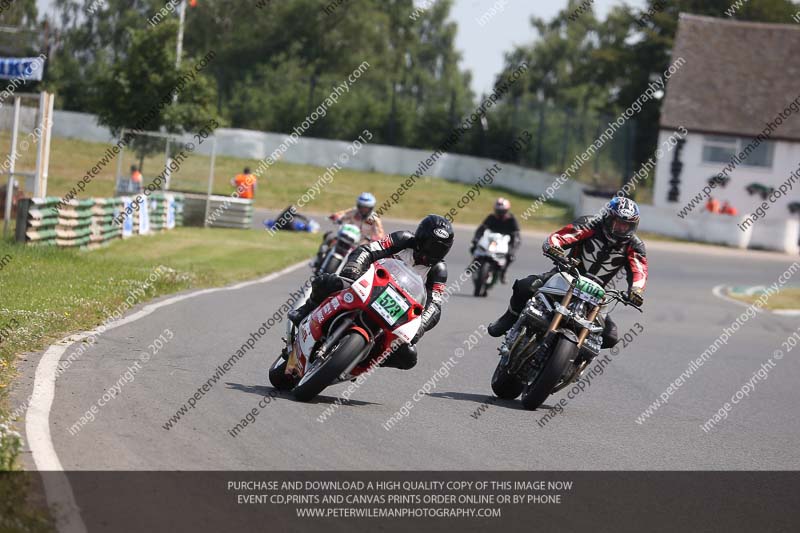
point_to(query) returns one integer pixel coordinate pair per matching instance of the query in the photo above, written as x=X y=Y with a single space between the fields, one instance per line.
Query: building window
x=722 y=149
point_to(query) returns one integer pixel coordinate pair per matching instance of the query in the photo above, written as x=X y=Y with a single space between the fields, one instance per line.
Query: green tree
x=637 y=49
x=137 y=91
x=582 y=67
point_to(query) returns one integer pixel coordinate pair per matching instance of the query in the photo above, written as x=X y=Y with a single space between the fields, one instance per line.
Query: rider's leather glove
x=349 y=275
x=350 y=272
x=636 y=298
x=472 y=246
x=555 y=251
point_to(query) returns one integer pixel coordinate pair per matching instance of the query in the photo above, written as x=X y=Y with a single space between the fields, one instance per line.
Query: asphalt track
x=596 y=431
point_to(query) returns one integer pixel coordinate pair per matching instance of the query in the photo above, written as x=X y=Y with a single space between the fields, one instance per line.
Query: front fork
x=558 y=317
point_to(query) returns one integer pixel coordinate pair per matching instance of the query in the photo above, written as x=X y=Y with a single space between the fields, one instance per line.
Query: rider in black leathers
x=424 y=251
x=604 y=246
x=504 y=222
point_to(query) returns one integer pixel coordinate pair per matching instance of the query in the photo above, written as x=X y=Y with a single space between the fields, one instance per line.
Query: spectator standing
x=728 y=209
x=712 y=205
x=136 y=179
x=245 y=184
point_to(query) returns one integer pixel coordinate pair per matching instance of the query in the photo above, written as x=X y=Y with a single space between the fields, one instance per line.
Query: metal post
x=45 y=122
x=167 y=172
x=40 y=118
x=210 y=181
x=119 y=160
x=179 y=46
x=12 y=165
x=179 y=49
x=45 y=170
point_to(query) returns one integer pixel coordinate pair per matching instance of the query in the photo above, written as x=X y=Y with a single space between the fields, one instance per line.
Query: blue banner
x=22 y=68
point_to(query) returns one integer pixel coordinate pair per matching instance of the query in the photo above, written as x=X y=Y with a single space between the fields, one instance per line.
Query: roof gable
x=737 y=76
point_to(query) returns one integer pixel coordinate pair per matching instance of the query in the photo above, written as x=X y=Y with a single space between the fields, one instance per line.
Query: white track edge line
x=60 y=497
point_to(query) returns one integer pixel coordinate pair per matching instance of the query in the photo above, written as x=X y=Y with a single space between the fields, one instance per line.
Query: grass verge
x=787 y=298
x=45 y=293
x=283 y=184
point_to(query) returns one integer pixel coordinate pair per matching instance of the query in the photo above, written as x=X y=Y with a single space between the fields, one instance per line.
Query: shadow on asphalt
x=264 y=390
x=484 y=399
x=465 y=295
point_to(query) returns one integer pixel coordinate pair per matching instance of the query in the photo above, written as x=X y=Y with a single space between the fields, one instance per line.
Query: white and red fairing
x=357 y=297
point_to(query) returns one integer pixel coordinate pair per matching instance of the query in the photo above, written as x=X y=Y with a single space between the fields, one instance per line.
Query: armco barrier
x=223 y=211
x=88 y=224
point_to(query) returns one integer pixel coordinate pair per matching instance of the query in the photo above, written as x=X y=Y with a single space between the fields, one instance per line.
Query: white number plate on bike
x=390 y=305
x=583 y=295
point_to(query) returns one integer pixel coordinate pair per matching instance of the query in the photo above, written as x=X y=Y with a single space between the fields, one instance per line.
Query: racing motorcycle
x=556 y=336
x=491 y=253
x=346 y=240
x=351 y=330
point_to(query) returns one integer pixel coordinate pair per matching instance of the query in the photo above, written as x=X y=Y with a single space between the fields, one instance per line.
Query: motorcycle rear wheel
x=540 y=387
x=326 y=372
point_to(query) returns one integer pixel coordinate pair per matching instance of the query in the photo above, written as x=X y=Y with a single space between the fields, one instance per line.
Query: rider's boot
x=499 y=327
x=297 y=315
x=404 y=358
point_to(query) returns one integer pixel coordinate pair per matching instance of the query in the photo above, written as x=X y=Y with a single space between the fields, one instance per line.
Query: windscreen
x=406 y=278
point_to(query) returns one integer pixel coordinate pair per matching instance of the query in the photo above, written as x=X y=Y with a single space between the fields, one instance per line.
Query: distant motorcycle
x=491 y=253
x=556 y=336
x=346 y=240
x=347 y=334
x=335 y=257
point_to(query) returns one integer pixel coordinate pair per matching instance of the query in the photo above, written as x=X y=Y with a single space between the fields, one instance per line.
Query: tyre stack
x=74 y=228
x=103 y=228
x=41 y=221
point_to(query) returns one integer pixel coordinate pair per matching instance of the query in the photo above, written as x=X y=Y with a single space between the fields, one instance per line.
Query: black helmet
x=432 y=240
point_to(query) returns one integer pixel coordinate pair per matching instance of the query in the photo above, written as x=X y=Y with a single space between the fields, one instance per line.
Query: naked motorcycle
x=556 y=336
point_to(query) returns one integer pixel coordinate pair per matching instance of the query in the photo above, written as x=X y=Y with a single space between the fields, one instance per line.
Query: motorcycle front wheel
x=321 y=373
x=541 y=385
x=504 y=385
x=482 y=279
x=277 y=375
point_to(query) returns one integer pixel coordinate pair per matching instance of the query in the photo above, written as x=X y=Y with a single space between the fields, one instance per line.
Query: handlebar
x=621 y=297
x=570 y=265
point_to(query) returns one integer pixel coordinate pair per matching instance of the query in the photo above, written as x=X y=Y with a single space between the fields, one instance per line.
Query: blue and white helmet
x=621 y=219
x=365 y=203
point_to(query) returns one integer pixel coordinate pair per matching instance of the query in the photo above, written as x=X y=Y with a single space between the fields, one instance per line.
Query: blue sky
x=482 y=47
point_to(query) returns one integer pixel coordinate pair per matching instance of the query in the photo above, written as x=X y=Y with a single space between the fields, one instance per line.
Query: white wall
x=27 y=117
x=323 y=152
x=769 y=234
x=777 y=232
x=83 y=126
x=696 y=173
